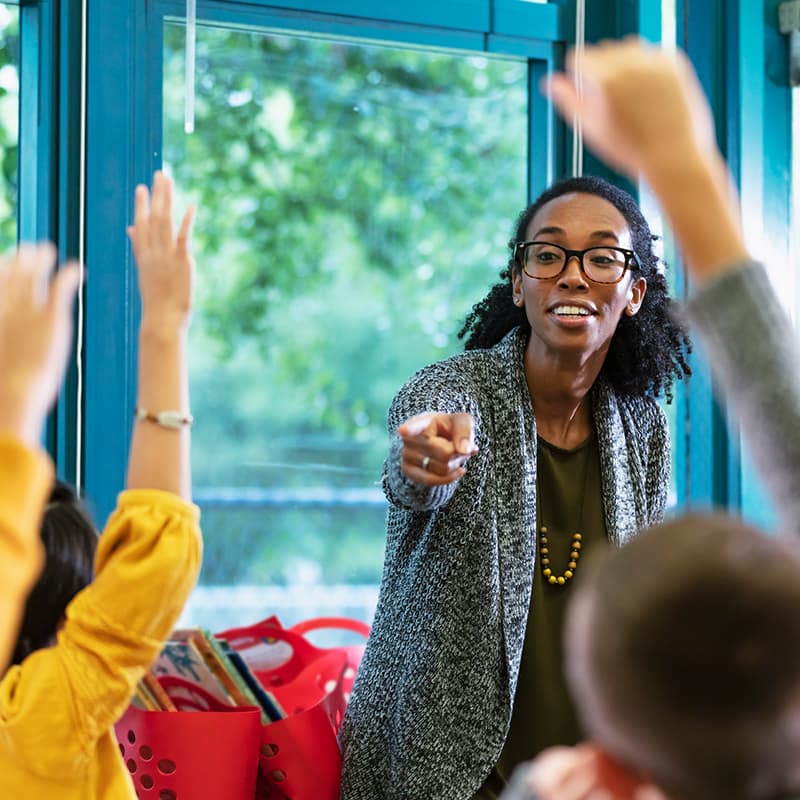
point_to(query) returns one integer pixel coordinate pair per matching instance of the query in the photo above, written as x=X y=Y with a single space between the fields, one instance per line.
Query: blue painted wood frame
x=36 y=212
x=117 y=158
x=69 y=408
x=49 y=166
x=700 y=31
x=733 y=46
x=451 y=14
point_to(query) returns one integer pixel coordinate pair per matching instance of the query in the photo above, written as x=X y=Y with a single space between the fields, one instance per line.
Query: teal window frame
x=49 y=169
x=742 y=61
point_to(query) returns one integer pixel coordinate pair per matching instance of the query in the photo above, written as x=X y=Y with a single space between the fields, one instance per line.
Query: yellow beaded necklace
x=575 y=548
x=572 y=564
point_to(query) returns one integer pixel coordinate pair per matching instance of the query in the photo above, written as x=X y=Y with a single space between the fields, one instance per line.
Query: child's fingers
x=560 y=89
x=141 y=217
x=185 y=231
x=28 y=274
x=64 y=287
x=162 y=208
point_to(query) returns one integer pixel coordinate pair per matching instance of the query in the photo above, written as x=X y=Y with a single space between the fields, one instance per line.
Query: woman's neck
x=560 y=395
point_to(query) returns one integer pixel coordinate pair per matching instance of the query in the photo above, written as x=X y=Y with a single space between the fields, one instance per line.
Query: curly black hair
x=648 y=350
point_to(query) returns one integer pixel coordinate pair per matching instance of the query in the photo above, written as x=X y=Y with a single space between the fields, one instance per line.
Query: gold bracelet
x=175 y=420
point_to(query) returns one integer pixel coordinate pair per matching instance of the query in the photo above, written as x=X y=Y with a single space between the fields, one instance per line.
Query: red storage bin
x=300 y=757
x=192 y=755
x=297 y=652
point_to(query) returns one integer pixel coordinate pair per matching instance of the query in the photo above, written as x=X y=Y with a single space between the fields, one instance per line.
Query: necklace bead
x=544 y=551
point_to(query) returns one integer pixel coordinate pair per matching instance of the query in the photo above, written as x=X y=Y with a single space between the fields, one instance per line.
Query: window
x=355 y=201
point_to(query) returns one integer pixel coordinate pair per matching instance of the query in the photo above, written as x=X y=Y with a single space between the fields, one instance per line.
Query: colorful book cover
x=182 y=659
x=247 y=693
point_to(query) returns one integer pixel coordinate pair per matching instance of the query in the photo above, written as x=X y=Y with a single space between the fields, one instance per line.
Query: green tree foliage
x=354 y=202
x=9 y=124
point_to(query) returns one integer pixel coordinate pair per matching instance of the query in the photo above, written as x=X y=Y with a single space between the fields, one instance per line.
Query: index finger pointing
x=416 y=425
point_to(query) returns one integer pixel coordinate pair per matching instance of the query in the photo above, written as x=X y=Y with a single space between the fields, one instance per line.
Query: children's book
x=182 y=659
x=158 y=692
x=231 y=672
x=143 y=698
x=226 y=673
x=266 y=699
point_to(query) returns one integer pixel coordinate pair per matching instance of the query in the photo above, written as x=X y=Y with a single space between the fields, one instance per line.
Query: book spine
x=158 y=692
x=221 y=649
x=218 y=666
x=266 y=699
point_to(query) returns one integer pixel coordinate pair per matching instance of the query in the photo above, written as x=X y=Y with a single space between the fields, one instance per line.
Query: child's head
x=70 y=540
x=684 y=658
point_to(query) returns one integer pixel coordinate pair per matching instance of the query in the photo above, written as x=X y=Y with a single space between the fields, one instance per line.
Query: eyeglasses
x=545 y=261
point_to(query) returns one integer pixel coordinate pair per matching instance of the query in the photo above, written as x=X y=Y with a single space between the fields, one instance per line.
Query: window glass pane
x=668 y=23
x=9 y=123
x=354 y=201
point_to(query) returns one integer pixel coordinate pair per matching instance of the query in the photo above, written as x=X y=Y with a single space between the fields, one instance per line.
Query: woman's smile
x=573 y=313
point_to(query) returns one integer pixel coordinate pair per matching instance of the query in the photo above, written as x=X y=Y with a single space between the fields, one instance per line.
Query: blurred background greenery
x=354 y=201
x=9 y=124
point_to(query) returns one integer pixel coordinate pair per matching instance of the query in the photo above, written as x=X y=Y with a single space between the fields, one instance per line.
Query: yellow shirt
x=58 y=707
x=26 y=477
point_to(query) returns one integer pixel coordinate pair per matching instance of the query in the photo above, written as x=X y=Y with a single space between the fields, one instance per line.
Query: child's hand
x=165 y=264
x=35 y=337
x=583 y=772
x=641 y=108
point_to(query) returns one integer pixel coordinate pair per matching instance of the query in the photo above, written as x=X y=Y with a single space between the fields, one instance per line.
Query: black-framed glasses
x=546 y=260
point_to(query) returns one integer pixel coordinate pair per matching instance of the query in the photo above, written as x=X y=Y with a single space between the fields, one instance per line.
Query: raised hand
x=164 y=261
x=35 y=337
x=436 y=447
x=159 y=455
x=643 y=111
x=640 y=107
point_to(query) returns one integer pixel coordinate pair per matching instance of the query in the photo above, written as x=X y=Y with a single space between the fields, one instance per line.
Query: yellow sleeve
x=147 y=562
x=26 y=477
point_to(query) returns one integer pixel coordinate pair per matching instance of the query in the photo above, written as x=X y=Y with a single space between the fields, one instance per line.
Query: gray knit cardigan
x=432 y=701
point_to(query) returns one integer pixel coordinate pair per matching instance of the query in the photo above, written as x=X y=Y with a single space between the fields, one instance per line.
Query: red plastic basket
x=192 y=755
x=300 y=756
x=298 y=652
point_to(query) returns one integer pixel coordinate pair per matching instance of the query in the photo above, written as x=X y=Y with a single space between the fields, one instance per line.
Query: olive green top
x=569 y=500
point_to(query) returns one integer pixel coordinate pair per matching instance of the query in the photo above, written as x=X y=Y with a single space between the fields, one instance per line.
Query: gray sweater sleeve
x=438 y=388
x=754 y=354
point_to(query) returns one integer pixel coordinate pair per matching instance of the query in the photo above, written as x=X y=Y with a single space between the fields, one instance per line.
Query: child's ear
x=623 y=782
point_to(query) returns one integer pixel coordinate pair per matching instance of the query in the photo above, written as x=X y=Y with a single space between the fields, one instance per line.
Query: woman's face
x=569 y=313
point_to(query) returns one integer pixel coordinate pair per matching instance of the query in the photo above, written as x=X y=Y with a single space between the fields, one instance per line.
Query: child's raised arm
x=147 y=561
x=159 y=457
x=35 y=336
